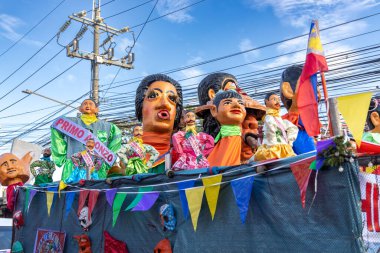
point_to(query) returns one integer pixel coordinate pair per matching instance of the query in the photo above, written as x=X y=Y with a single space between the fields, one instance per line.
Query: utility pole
x=72 y=49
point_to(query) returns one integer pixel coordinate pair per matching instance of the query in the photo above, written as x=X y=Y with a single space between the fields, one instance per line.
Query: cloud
x=167 y=6
x=71 y=77
x=8 y=25
x=194 y=74
x=124 y=43
x=246 y=44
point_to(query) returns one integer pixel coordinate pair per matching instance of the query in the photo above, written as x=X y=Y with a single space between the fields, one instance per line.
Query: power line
x=31 y=29
x=132 y=8
x=134 y=43
x=42 y=86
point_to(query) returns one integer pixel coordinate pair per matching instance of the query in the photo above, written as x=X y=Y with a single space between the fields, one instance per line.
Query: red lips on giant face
x=236 y=111
x=164 y=115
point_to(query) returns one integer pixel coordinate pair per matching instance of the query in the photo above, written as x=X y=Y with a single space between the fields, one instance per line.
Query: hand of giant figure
x=279 y=134
x=13 y=172
x=288 y=92
x=63 y=147
x=159 y=106
x=207 y=90
x=229 y=112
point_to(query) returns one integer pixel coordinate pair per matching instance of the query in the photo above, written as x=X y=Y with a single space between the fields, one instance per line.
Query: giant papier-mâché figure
x=207 y=89
x=159 y=107
x=192 y=147
x=279 y=134
x=87 y=164
x=136 y=156
x=43 y=169
x=63 y=146
x=13 y=172
x=229 y=112
x=373 y=122
x=288 y=92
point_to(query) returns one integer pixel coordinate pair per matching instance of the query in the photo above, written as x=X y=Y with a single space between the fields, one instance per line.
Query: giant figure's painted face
x=12 y=170
x=274 y=102
x=138 y=132
x=190 y=119
x=230 y=111
x=159 y=107
x=88 y=107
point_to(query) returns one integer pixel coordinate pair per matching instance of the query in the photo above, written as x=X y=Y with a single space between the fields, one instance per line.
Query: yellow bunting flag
x=62 y=186
x=194 y=199
x=354 y=109
x=212 y=185
x=49 y=200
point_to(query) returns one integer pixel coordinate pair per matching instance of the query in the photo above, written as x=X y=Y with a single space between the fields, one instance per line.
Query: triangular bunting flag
x=194 y=198
x=138 y=197
x=27 y=193
x=69 y=202
x=117 y=203
x=242 y=189
x=146 y=202
x=61 y=186
x=53 y=189
x=92 y=199
x=301 y=171
x=182 y=186
x=212 y=192
x=354 y=109
x=49 y=200
x=31 y=196
x=110 y=195
x=82 y=199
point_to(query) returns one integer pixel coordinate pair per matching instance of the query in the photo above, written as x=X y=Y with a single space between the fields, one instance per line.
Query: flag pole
x=326 y=96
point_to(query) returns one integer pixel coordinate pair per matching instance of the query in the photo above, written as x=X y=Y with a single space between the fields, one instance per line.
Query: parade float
x=309 y=199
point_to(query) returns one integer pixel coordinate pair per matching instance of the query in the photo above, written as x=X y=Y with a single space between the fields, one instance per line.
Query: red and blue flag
x=307 y=98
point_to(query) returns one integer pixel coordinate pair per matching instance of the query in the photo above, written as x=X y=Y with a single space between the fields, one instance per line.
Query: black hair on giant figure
x=225 y=94
x=291 y=75
x=214 y=81
x=374 y=106
x=143 y=87
x=91 y=99
x=268 y=95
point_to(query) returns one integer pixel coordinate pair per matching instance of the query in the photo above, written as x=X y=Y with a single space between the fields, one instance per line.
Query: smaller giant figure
x=288 y=91
x=63 y=146
x=192 y=147
x=229 y=112
x=136 y=156
x=13 y=172
x=279 y=134
x=43 y=169
x=87 y=164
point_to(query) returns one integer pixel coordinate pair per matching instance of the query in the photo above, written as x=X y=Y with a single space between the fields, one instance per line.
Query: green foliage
x=336 y=155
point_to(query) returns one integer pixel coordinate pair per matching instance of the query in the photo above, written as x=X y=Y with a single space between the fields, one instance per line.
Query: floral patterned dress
x=192 y=149
x=137 y=157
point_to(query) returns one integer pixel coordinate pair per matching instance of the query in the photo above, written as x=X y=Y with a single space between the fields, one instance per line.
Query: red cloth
x=111 y=245
x=163 y=246
x=11 y=195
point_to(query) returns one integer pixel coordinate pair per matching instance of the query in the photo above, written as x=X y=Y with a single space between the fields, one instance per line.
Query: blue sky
x=207 y=30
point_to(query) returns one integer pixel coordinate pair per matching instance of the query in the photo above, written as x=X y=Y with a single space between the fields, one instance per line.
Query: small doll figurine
x=135 y=154
x=279 y=134
x=87 y=164
x=43 y=169
x=229 y=112
x=192 y=147
x=13 y=172
x=84 y=243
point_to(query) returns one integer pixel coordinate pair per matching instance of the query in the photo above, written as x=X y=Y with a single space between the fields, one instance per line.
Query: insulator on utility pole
x=96 y=22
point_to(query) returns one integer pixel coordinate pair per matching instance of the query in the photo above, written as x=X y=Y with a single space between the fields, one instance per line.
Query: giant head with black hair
x=159 y=103
x=228 y=108
x=211 y=84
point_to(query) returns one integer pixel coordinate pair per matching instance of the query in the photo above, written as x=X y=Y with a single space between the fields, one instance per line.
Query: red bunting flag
x=301 y=172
